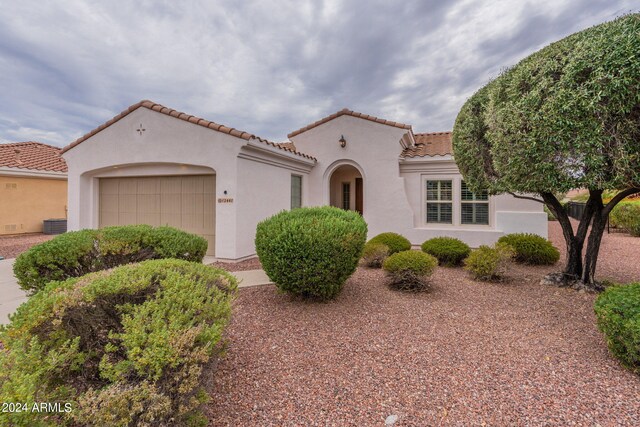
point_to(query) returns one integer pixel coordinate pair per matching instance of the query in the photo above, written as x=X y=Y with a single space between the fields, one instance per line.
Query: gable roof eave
x=150 y=105
x=347 y=112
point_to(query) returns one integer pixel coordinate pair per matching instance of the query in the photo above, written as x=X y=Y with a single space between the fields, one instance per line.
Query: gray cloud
x=264 y=67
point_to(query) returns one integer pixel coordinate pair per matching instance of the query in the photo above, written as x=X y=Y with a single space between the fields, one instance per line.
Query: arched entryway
x=346 y=188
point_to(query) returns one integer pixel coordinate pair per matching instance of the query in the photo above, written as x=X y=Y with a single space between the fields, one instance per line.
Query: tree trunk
x=595 y=215
x=593 y=248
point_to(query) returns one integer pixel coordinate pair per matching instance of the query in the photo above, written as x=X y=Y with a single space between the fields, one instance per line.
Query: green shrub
x=449 y=251
x=77 y=253
x=395 y=242
x=374 y=254
x=531 y=249
x=311 y=251
x=125 y=346
x=489 y=263
x=408 y=270
x=626 y=215
x=618 y=313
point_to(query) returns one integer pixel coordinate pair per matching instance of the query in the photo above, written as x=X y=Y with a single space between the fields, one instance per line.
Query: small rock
x=391 y=420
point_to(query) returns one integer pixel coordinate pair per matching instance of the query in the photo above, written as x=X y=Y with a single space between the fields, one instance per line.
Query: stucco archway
x=344 y=183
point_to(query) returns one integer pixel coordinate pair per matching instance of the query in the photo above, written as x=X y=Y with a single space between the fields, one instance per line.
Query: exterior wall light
x=342 y=141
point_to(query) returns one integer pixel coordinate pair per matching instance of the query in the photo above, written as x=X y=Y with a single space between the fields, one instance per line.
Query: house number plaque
x=225 y=200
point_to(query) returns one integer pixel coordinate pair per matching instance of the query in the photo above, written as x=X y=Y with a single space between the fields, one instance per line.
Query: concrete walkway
x=252 y=278
x=11 y=296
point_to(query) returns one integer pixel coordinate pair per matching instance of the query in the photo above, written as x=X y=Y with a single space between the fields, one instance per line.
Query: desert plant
x=125 y=346
x=409 y=270
x=531 y=249
x=394 y=241
x=489 y=263
x=374 y=254
x=77 y=253
x=618 y=313
x=626 y=215
x=311 y=251
x=449 y=250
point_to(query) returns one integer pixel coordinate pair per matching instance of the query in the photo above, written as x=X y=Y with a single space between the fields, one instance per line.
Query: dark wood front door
x=359 y=195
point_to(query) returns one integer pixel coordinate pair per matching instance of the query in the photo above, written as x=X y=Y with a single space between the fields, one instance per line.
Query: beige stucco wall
x=393 y=188
x=251 y=181
x=23 y=208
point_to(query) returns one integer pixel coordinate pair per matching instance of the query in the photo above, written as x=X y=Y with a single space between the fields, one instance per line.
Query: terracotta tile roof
x=348 y=112
x=286 y=146
x=179 y=115
x=32 y=155
x=430 y=144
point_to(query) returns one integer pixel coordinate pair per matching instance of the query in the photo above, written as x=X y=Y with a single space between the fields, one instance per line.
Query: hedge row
x=77 y=253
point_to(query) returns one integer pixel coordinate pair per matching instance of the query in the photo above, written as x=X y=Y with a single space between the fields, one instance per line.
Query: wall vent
x=11 y=185
x=10 y=227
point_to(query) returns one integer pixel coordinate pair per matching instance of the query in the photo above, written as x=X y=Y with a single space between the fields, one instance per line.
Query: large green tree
x=567 y=116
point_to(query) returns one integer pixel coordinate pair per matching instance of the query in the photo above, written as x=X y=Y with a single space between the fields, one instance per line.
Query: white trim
x=278 y=152
x=427 y=159
x=261 y=154
x=326 y=181
x=32 y=173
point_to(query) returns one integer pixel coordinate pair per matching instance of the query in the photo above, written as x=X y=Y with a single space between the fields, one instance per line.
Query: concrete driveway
x=11 y=296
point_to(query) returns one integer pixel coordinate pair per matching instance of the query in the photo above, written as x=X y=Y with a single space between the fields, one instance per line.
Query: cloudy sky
x=266 y=67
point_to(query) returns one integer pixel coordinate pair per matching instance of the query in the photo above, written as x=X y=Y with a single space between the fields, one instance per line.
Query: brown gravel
x=619 y=258
x=12 y=246
x=468 y=353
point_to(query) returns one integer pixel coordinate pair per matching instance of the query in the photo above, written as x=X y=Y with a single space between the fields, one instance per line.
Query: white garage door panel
x=184 y=202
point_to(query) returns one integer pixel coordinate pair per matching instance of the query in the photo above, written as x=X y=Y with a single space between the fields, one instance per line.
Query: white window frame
x=342 y=194
x=456 y=181
x=439 y=201
x=291 y=189
x=475 y=202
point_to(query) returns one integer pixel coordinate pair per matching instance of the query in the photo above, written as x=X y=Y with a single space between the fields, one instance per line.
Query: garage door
x=184 y=202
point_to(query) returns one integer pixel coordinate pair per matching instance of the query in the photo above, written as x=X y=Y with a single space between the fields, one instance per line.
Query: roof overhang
x=32 y=173
x=262 y=152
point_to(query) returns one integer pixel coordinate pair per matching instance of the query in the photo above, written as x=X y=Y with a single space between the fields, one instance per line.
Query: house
x=33 y=186
x=154 y=165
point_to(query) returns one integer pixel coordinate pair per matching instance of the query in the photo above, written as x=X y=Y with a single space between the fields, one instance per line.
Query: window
x=296 y=191
x=439 y=202
x=474 y=208
x=346 y=195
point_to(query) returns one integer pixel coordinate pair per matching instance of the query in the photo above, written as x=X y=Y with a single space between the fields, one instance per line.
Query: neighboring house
x=33 y=186
x=154 y=165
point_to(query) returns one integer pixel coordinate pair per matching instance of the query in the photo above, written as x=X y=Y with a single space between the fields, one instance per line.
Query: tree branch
x=618 y=198
x=525 y=197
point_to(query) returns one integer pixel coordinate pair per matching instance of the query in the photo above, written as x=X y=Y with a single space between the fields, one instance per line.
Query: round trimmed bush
x=618 y=313
x=394 y=241
x=449 y=250
x=531 y=249
x=125 y=346
x=489 y=263
x=374 y=254
x=626 y=215
x=311 y=251
x=408 y=270
x=77 y=253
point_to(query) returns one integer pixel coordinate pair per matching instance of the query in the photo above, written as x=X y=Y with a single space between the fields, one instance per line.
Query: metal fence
x=575 y=210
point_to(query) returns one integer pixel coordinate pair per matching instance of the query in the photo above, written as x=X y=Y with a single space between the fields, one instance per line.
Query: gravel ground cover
x=12 y=246
x=250 y=264
x=468 y=353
